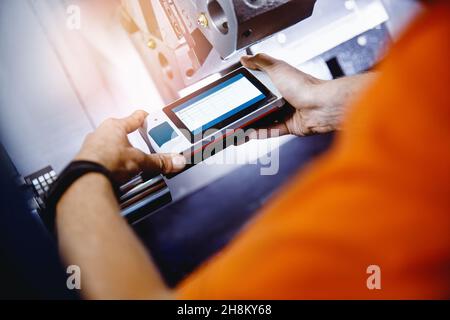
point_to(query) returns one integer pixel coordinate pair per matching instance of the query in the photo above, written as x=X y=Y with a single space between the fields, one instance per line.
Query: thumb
x=159 y=163
x=277 y=70
x=259 y=61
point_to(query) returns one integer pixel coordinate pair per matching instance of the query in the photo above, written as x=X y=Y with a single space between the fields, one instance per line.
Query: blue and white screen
x=219 y=103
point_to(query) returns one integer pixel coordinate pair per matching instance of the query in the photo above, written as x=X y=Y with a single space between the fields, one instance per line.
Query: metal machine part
x=142 y=196
x=187 y=41
x=184 y=42
x=232 y=25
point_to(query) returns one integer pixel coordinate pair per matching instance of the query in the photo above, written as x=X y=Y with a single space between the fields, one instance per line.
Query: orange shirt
x=380 y=196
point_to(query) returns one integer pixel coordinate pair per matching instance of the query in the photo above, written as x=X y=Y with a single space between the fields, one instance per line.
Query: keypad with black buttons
x=41 y=181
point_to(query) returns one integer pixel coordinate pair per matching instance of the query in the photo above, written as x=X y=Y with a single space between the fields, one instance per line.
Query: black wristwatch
x=70 y=174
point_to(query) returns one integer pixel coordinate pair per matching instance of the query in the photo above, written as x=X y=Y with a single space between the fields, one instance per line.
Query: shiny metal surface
x=237 y=24
x=192 y=39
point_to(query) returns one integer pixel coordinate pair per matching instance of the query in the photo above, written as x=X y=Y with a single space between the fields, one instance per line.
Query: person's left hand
x=109 y=146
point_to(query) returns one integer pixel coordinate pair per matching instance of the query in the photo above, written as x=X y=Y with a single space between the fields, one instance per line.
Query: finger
x=158 y=163
x=133 y=122
x=259 y=61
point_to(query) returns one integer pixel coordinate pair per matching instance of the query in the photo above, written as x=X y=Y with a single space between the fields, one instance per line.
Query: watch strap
x=74 y=171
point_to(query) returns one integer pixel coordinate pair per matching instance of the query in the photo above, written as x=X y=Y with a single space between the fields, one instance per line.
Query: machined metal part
x=186 y=41
x=141 y=197
x=236 y=24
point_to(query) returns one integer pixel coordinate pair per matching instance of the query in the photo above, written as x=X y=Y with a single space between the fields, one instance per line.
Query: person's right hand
x=109 y=146
x=319 y=105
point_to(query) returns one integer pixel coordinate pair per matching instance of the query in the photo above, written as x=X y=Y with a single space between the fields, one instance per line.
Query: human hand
x=318 y=107
x=109 y=146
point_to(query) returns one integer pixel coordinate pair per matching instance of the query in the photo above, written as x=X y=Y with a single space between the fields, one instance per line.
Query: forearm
x=93 y=235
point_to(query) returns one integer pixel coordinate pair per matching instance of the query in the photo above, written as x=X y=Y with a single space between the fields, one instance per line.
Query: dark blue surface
x=188 y=232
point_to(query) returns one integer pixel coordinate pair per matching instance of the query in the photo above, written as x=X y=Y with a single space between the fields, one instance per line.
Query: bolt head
x=202 y=20
x=151 y=44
